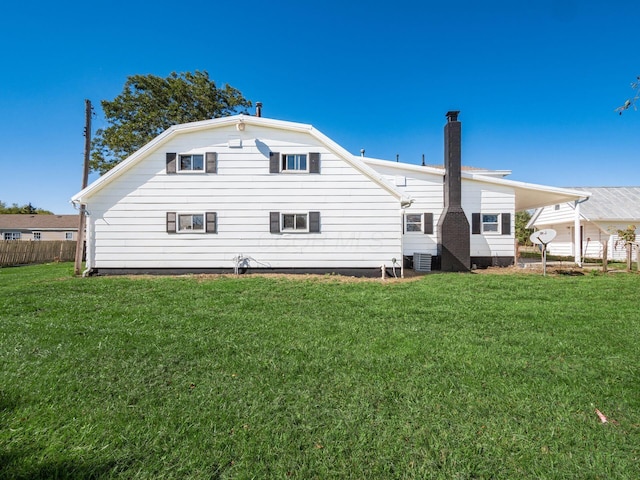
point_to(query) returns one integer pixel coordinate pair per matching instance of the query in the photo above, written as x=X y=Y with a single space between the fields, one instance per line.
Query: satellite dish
x=542 y=237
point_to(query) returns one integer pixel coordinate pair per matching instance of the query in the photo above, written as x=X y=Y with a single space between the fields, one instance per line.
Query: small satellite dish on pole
x=543 y=237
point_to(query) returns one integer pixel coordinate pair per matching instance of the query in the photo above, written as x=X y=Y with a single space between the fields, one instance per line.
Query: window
x=37 y=235
x=490 y=222
x=418 y=223
x=68 y=235
x=413 y=222
x=556 y=207
x=296 y=222
x=198 y=163
x=191 y=163
x=294 y=163
x=191 y=222
x=12 y=235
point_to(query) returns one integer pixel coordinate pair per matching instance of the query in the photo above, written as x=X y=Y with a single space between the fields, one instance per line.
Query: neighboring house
x=584 y=228
x=38 y=227
x=238 y=191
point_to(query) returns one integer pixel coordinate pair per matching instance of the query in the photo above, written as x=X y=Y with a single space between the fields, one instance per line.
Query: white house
x=247 y=191
x=584 y=228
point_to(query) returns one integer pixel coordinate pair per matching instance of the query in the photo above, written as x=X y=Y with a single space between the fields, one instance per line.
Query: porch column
x=577 y=244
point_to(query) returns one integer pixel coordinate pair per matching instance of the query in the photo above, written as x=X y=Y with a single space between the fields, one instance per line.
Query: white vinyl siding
x=427 y=191
x=495 y=199
x=361 y=224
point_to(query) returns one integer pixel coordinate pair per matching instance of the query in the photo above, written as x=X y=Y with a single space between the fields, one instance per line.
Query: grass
x=450 y=376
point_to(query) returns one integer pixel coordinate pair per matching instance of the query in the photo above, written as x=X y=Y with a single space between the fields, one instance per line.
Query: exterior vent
x=422 y=262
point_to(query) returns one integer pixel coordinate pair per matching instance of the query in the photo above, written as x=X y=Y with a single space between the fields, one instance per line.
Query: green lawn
x=449 y=376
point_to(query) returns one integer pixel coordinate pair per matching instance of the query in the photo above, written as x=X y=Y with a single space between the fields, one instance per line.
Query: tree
x=26 y=208
x=522 y=232
x=149 y=104
x=631 y=102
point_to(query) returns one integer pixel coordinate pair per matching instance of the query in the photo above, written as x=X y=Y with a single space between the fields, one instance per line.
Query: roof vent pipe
x=258 y=109
x=362 y=152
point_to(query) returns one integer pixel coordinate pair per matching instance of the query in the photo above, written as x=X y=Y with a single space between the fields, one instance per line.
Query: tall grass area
x=452 y=376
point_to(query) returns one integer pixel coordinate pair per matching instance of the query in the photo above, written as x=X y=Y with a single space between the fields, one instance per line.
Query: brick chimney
x=453 y=226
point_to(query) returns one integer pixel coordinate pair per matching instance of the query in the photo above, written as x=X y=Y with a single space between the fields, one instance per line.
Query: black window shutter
x=212 y=162
x=476 y=226
x=314 y=222
x=428 y=223
x=274 y=221
x=211 y=222
x=171 y=222
x=506 y=223
x=171 y=163
x=314 y=162
x=274 y=162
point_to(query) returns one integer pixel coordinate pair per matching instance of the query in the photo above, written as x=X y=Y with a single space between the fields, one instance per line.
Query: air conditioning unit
x=422 y=262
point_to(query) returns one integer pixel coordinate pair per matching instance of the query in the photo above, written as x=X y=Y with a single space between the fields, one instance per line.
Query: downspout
x=88 y=239
x=404 y=204
x=89 y=243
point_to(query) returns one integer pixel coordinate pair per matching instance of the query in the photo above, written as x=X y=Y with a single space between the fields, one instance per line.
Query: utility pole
x=85 y=179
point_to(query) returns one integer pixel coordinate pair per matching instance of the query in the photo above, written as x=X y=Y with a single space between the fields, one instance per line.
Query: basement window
x=191 y=163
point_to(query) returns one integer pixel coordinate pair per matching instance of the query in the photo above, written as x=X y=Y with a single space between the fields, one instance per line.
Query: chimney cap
x=452 y=115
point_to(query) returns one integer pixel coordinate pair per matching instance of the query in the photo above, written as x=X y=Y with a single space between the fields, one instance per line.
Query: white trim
x=293 y=170
x=292 y=230
x=412 y=232
x=498 y=224
x=179 y=170
x=528 y=195
x=192 y=231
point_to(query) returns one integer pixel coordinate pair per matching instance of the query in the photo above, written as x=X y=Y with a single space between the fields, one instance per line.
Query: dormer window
x=191 y=163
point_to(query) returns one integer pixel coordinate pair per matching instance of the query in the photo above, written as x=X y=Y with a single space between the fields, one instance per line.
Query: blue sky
x=536 y=82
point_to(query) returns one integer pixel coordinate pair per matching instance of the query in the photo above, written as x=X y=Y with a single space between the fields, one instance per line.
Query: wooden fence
x=18 y=252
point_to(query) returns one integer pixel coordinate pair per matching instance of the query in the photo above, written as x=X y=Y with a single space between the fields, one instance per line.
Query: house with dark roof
x=38 y=227
x=584 y=227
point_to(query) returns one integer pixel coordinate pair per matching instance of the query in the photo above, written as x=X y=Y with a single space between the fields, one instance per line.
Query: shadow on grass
x=13 y=465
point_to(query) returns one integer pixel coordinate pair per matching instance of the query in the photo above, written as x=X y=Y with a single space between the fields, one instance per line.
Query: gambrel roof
x=528 y=196
x=238 y=120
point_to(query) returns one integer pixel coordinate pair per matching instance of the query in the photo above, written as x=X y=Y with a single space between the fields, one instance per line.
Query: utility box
x=422 y=262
